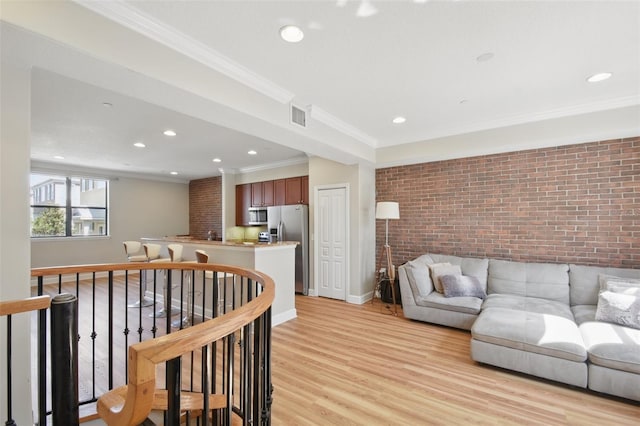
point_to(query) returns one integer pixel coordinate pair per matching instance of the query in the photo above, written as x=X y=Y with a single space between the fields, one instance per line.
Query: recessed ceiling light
x=107 y=104
x=485 y=57
x=169 y=132
x=58 y=157
x=399 y=120
x=217 y=160
x=599 y=77
x=174 y=173
x=139 y=145
x=252 y=152
x=291 y=33
x=366 y=9
x=463 y=101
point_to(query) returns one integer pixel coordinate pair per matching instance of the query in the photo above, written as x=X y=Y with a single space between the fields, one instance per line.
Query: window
x=65 y=206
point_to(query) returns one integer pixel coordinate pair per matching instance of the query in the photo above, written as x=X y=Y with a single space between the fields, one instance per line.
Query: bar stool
x=203 y=257
x=153 y=254
x=175 y=254
x=134 y=254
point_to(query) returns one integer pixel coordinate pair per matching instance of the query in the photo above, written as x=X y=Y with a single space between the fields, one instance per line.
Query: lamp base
x=390 y=273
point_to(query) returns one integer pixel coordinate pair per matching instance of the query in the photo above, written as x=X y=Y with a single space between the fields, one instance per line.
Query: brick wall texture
x=205 y=207
x=571 y=204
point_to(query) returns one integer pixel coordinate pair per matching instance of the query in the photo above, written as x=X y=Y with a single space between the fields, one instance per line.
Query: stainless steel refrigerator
x=291 y=223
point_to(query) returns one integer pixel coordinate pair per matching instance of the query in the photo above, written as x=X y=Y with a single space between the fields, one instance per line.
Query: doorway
x=332 y=242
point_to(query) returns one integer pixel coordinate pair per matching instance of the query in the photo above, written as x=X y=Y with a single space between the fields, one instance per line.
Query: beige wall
x=138 y=208
x=361 y=182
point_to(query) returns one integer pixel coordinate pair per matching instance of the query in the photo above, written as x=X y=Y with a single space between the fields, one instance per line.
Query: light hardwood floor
x=346 y=364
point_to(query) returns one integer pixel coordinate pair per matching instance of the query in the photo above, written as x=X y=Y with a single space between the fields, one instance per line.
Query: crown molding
x=516 y=119
x=136 y=20
x=269 y=166
x=332 y=121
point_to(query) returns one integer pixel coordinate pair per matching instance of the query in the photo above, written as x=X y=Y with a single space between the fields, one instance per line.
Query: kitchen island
x=274 y=259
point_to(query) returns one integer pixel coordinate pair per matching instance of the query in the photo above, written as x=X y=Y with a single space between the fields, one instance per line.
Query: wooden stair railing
x=9 y=308
x=12 y=307
x=132 y=403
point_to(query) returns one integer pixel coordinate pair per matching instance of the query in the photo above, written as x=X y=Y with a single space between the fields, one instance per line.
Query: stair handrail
x=144 y=356
x=13 y=307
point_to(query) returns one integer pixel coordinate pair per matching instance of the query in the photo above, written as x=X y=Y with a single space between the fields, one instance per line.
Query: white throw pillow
x=440 y=269
x=618 y=308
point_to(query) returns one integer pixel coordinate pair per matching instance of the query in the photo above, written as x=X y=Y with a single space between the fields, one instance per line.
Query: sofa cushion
x=613 y=346
x=528 y=304
x=584 y=313
x=419 y=278
x=619 y=308
x=544 y=334
x=467 y=305
x=440 y=269
x=471 y=266
x=462 y=286
x=543 y=280
x=584 y=284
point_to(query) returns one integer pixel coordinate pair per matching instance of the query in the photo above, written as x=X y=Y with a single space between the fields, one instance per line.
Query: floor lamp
x=386 y=210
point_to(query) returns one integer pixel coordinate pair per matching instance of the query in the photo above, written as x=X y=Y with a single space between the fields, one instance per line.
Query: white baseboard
x=359 y=300
x=283 y=317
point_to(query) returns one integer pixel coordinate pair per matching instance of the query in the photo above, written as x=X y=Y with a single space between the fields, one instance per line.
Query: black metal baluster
x=110 y=331
x=230 y=339
x=42 y=359
x=93 y=337
x=167 y=303
x=205 y=386
x=154 y=328
x=10 y=421
x=140 y=329
x=172 y=417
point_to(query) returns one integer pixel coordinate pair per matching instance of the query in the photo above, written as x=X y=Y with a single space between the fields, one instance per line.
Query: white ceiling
x=417 y=59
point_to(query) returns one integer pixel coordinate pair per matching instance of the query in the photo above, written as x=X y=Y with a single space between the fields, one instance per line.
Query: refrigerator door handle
x=280 y=233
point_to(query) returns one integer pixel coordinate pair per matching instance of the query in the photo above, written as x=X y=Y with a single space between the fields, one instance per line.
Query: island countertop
x=274 y=259
x=228 y=243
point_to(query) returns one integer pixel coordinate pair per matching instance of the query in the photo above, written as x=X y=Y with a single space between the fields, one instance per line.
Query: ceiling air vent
x=298 y=116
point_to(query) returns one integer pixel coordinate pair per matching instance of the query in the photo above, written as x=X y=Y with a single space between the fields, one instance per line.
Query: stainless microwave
x=257 y=215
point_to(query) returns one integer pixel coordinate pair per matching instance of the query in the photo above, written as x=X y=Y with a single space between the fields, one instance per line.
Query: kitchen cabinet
x=262 y=194
x=297 y=190
x=243 y=202
x=305 y=190
x=279 y=192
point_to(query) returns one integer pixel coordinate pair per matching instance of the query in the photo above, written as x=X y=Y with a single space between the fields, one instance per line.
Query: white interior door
x=332 y=243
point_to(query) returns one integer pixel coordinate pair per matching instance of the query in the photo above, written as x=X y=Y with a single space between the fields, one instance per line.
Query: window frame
x=68 y=206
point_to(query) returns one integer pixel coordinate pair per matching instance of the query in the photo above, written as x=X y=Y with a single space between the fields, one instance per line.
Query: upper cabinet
x=262 y=194
x=277 y=192
x=243 y=202
x=305 y=190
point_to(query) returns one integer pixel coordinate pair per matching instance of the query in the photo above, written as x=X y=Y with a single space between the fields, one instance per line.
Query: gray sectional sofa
x=537 y=318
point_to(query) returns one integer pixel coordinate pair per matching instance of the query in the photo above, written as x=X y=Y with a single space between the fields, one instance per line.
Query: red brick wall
x=205 y=207
x=571 y=204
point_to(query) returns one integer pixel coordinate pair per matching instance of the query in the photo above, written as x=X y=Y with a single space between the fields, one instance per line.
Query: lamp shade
x=387 y=210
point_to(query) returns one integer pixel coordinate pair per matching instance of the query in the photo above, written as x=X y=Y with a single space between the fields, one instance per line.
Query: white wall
x=138 y=208
x=14 y=230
